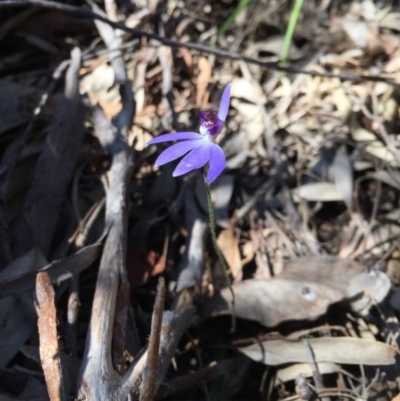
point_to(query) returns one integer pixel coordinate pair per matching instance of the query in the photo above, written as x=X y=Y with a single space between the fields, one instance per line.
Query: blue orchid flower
x=201 y=146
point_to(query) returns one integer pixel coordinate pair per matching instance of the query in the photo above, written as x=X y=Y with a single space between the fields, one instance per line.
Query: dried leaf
x=273 y=301
x=228 y=244
x=343 y=175
x=99 y=85
x=391 y=21
x=304 y=290
x=203 y=80
x=391 y=177
x=357 y=32
x=253 y=122
x=143 y=265
x=375 y=148
x=342 y=102
x=375 y=286
x=242 y=88
x=318 y=192
x=345 y=350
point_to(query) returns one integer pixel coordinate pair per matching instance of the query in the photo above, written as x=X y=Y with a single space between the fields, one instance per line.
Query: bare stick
x=148 y=387
x=98 y=379
x=49 y=349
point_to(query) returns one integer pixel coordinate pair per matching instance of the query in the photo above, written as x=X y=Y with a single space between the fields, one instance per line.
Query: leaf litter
x=109 y=285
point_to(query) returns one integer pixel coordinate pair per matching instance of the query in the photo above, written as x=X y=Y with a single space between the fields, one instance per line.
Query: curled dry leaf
x=346 y=350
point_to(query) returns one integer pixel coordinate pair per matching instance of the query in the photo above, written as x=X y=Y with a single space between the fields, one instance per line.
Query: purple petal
x=175 y=136
x=177 y=150
x=224 y=104
x=216 y=164
x=197 y=158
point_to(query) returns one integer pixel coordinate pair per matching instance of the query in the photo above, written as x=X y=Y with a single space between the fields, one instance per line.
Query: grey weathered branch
x=98 y=378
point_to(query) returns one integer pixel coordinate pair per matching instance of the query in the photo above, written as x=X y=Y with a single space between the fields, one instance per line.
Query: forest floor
x=110 y=286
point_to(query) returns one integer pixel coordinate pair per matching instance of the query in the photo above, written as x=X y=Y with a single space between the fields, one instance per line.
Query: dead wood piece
x=49 y=348
x=172 y=328
x=54 y=169
x=150 y=373
x=120 y=323
x=98 y=380
x=119 y=129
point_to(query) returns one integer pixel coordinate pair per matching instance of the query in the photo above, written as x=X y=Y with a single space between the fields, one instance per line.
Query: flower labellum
x=199 y=148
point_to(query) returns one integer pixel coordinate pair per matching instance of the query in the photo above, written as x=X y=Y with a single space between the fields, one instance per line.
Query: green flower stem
x=218 y=251
x=294 y=16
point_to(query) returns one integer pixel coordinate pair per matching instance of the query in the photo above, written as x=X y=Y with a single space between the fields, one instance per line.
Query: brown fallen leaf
x=143 y=265
x=203 y=80
x=227 y=242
